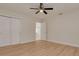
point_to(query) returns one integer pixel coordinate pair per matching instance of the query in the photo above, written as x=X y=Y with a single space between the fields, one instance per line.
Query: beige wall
x=28 y=30
x=64 y=28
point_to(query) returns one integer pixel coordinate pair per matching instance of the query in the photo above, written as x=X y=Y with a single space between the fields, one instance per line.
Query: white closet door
x=4 y=31
x=10 y=30
x=15 y=31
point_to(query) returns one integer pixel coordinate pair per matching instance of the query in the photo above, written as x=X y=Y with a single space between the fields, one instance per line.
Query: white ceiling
x=23 y=8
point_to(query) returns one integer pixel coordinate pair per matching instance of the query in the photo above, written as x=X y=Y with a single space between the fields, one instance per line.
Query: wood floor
x=39 y=48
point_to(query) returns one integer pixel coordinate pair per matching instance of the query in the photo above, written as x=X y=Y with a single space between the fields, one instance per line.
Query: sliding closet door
x=15 y=27
x=4 y=31
x=10 y=31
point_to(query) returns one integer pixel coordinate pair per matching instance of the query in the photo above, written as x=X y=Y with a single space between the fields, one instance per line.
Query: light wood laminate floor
x=39 y=48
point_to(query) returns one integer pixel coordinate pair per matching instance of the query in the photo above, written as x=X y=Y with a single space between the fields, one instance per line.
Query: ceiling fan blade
x=48 y=8
x=34 y=8
x=37 y=12
x=45 y=12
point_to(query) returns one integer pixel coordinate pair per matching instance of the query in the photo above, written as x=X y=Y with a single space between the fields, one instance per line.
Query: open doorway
x=40 y=31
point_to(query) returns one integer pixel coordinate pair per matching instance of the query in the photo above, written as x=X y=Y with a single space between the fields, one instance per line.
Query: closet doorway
x=10 y=29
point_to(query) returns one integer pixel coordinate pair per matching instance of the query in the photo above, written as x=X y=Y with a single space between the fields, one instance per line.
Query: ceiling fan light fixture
x=41 y=10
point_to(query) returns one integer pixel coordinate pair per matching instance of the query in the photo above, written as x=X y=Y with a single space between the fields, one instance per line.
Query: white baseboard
x=3 y=45
x=16 y=43
x=26 y=41
x=65 y=43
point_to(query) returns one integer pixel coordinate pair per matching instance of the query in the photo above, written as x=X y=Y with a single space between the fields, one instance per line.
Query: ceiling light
x=41 y=10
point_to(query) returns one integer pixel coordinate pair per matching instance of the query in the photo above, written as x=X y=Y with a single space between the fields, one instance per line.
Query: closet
x=10 y=31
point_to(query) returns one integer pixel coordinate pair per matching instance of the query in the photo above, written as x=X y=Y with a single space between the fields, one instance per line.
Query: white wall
x=64 y=28
x=28 y=30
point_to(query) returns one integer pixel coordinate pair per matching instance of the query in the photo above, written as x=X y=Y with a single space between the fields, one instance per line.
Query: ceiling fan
x=41 y=9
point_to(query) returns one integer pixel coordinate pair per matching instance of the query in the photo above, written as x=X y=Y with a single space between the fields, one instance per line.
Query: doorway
x=40 y=31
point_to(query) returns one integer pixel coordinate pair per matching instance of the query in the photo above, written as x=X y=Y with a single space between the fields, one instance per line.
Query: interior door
x=40 y=31
x=9 y=31
x=4 y=31
x=15 y=31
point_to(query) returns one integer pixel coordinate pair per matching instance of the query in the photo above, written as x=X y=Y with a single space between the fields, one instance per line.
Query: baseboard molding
x=16 y=43
x=27 y=41
x=3 y=45
x=65 y=43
